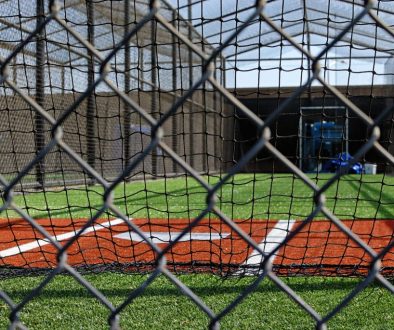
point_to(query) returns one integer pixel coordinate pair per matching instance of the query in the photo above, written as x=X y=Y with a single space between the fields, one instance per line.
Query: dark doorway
x=323 y=135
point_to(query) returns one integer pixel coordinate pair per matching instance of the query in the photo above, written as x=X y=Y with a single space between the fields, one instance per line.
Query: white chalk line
x=61 y=237
x=270 y=242
x=274 y=238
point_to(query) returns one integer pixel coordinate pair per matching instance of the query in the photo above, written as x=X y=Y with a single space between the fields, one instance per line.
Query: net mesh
x=270 y=68
x=231 y=137
x=103 y=130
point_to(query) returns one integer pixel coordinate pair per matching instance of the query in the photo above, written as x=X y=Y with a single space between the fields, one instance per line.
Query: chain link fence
x=209 y=60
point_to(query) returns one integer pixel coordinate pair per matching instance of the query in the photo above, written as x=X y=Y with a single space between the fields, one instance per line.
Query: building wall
x=285 y=128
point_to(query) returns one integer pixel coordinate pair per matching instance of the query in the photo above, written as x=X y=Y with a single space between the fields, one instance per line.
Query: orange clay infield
x=319 y=244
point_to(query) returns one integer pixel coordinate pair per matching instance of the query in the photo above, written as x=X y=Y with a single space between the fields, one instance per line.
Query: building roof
x=18 y=20
x=313 y=23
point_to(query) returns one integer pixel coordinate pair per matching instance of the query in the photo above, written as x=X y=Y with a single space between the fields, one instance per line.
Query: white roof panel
x=326 y=18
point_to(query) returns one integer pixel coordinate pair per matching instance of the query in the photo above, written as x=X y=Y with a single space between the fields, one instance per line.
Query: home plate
x=161 y=237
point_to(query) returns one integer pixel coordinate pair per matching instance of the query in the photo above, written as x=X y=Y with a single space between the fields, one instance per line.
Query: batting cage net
x=232 y=137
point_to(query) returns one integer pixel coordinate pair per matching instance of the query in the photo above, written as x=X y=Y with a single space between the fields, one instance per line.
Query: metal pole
x=14 y=70
x=127 y=110
x=91 y=104
x=308 y=41
x=63 y=102
x=228 y=123
x=204 y=130
x=216 y=151
x=40 y=93
x=154 y=89
x=191 y=116
x=174 y=89
x=141 y=75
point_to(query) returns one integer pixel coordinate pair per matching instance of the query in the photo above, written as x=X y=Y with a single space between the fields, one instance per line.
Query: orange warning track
x=319 y=245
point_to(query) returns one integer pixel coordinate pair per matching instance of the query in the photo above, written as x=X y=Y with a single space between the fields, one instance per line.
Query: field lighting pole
x=90 y=110
x=39 y=122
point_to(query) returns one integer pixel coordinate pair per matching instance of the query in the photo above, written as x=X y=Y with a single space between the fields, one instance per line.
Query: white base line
x=42 y=242
x=274 y=238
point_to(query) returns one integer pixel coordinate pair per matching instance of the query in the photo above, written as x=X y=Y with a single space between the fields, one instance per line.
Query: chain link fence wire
x=155 y=117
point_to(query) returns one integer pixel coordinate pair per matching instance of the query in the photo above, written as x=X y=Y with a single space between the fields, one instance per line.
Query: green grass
x=65 y=304
x=246 y=196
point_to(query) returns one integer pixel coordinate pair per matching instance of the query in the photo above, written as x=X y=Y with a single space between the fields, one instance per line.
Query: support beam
x=127 y=109
x=154 y=100
x=191 y=108
x=39 y=122
x=308 y=45
x=91 y=102
x=174 y=122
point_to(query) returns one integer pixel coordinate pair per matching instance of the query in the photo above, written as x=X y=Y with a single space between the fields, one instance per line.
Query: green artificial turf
x=65 y=304
x=245 y=196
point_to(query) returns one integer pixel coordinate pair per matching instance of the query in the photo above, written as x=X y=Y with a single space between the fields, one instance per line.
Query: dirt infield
x=319 y=244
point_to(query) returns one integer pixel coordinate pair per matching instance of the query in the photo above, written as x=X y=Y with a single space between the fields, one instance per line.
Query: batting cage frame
x=127 y=142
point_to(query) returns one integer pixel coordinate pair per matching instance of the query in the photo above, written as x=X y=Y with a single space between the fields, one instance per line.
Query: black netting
x=197 y=136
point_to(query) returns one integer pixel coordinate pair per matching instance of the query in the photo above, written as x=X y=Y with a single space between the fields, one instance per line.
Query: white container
x=370 y=168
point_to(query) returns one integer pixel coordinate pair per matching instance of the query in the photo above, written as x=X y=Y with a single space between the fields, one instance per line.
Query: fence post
x=190 y=60
x=154 y=89
x=90 y=110
x=39 y=122
x=228 y=116
x=204 y=126
x=127 y=110
x=174 y=89
x=216 y=134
